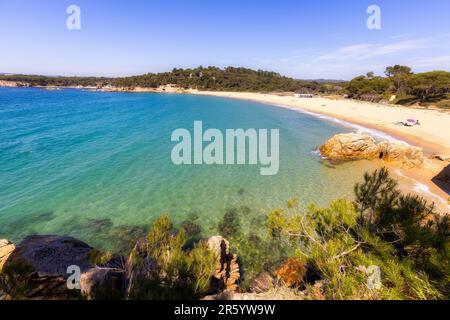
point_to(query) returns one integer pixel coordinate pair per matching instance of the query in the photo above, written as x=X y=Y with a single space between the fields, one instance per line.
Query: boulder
x=227 y=274
x=103 y=284
x=6 y=249
x=39 y=264
x=403 y=153
x=52 y=255
x=262 y=283
x=355 y=146
x=350 y=146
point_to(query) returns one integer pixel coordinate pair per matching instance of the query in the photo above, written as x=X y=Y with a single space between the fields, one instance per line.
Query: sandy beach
x=430 y=135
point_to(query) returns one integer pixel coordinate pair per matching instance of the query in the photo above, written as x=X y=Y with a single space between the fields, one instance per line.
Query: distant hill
x=209 y=78
x=326 y=80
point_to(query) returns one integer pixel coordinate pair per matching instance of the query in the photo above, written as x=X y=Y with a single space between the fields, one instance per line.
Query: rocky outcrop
x=38 y=265
x=355 y=146
x=227 y=274
x=350 y=146
x=6 y=248
x=37 y=269
x=103 y=284
x=13 y=84
x=52 y=255
x=400 y=152
x=262 y=283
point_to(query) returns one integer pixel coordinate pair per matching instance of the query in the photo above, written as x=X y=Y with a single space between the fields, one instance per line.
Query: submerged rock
x=354 y=146
x=227 y=274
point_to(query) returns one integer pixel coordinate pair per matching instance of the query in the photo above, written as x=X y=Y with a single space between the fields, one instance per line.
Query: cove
x=97 y=166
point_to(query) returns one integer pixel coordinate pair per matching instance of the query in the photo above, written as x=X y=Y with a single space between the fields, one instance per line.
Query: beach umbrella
x=411 y=121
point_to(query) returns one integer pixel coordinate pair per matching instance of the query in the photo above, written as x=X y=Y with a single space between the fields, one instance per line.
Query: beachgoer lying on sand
x=412 y=122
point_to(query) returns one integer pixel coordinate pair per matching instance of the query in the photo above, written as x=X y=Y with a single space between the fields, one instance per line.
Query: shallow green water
x=97 y=166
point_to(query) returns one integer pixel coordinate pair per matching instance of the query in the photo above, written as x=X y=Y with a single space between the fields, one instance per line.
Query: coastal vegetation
x=403 y=86
x=382 y=245
x=201 y=78
x=167 y=269
x=399 y=85
x=328 y=253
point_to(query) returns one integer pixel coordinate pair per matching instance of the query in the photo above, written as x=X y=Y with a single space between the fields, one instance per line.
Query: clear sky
x=302 y=39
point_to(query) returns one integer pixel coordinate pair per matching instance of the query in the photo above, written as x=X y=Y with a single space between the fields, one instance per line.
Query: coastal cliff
x=13 y=84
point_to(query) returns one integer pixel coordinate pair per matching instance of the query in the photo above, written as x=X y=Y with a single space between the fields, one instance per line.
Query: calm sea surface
x=97 y=166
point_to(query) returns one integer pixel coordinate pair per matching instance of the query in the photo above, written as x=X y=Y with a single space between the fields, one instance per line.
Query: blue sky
x=302 y=39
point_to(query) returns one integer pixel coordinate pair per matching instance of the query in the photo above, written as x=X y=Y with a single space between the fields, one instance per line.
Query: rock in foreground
x=227 y=274
x=103 y=284
x=6 y=248
x=37 y=267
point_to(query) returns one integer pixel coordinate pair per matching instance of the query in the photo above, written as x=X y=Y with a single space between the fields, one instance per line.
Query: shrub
x=167 y=271
x=400 y=234
x=292 y=272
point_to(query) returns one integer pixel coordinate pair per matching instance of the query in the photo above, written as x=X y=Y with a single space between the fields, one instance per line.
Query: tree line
x=201 y=78
x=402 y=86
x=399 y=84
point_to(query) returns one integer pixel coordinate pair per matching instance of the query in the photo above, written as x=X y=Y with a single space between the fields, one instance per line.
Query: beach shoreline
x=375 y=118
x=435 y=124
x=411 y=180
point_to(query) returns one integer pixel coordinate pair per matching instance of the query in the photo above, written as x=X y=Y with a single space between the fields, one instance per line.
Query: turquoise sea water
x=97 y=166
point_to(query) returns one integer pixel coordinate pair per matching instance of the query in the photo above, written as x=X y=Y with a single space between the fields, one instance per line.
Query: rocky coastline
x=40 y=268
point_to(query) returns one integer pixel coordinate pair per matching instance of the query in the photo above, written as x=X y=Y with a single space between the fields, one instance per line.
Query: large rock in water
x=354 y=146
x=227 y=274
x=350 y=146
x=41 y=262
